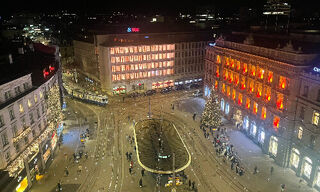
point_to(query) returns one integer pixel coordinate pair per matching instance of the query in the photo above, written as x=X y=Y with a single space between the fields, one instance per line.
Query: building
x=257 y=78
x=305 y=141
x=131 y=58
x=30 y=120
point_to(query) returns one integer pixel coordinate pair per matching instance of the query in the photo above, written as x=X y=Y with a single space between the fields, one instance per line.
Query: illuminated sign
x=316 y=69
x=133 y=29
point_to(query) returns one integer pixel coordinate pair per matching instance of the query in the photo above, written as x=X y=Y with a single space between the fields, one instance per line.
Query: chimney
x=10 y=59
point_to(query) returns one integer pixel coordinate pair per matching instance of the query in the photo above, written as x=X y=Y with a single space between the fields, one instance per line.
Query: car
x=195 y=85
x=150 y=92
x=179 y=87
x=197 y=93
x=165 y=90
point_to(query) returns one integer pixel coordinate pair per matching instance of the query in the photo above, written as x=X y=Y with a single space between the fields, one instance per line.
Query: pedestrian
x=130 y=170
x=232 y=165
x=131 y=164
x=194 y=116
x=59 y=145
x=189 y=183
x=127 y=155
x=172 y=106
x=142 y=172
x=283 y=186
x=255 y=170
x=66 y=171
x=193 y=184
x=271 y=170
x=59 y=186
x=140 y=182
x=134 y=148
x=237 y=168
x=86 y=155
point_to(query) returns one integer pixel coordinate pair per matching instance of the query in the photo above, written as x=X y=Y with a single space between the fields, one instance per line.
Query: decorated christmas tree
x=211 y=115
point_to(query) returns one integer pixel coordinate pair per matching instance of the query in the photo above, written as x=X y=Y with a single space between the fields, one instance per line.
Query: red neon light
x=51 y=68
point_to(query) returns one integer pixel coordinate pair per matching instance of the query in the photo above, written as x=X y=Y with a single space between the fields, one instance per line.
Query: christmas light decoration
x=211 y=116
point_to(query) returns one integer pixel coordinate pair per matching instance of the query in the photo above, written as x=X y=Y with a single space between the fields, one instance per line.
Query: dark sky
x=11 y=6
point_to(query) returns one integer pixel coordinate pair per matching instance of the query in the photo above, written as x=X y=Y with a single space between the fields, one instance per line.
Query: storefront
x=261 y=135
x=207 y=91
x=307 y=167
x=138 y=86
x=237 y=117
x=246 y=123
x=21 y=182
x=162 y=84
x=294 y=158
x=119 y=90
x=46 y=149
x=157 y=85
x=253 y=129
x=273 y=146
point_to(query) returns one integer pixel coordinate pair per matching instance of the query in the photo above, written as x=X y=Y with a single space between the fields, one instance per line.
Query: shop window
x=263 y=113
x=240 y=99
x=248 y=103
x=255 y=108
x=238 y=65
x=246 y=122
x=279 y=101
x=295 y=157
x=227 y=108
x=270 y=77
x=253 y=71
x=261 y=135
x=234 y=94
x=300 y=133
x=245 y=68
x=243 y=82
x=282 y=82
x=222 y=104
x=253 y=128
x=315 y=118
x=276 y=122
x=273 y=146
x=307 y=167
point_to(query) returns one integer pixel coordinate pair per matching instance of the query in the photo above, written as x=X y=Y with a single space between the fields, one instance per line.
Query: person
x=172 y=106
x=66 y=171
x=193 y=184
x=131 y=164
x=255 y=170
x=283 y=186
x=142 y=172
x=59 y=186
x=86 y=155
x=127 y=154
x=194 y=116
x=271 y=170
x=130 y=170
x=189 y=183
x=140 y=182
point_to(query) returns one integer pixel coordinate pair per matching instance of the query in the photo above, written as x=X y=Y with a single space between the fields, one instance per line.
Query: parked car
x=166 y=90
x=178 y=87
x=197 y=93
x=150 y=92
x=195 y=85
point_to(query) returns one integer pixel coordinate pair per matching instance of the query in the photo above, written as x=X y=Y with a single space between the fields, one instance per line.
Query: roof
x=275 y=41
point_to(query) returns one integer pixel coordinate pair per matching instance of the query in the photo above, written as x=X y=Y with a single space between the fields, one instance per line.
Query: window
x=26 y=140
x=263 y=113
x=33 y=133
x=240 y=99
x=42 y=108
x=248 y=103
x=270 y=77
x=315 y=118
x=255 y=107
x=29 y=103
x=276 y=121
x=17 y=147
x=1 y=121
x=268 y=93
x=14 y=130
x=259 y=90
x=312 y=141
x=38 y=113
x=7 y=156
x=21 y=108
x=253 y=71
x=282 y=82
x=17 y=90
x=11 y=113
x=261 y=73
x=4 y=139
x=25 y=86
x=31 y=118
x=7 y=95
x=243 y=82
x=280 y=101
x=35 y=98
x=301 y=115
x=245 y=68
x=305 y=91
x=300 y=132
x=234 y=94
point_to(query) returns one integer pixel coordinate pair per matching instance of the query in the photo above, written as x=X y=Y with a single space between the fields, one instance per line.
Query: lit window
x=315 y=118
x=216 y=84
x=259 y=90
x=29 y=103
x=228 y=91
x=270 y=77
x=268 y=93
x=113 y=59
x=218 y=59
x=300 y=132
x=232 y=63
x=123 y=67
x=251 y=86
x=238 y=65
x=240 y=99
x=282 y=82
x=276 y=121
x=243 y=82
x=245 y=68
x=234 y=94
x=231 y=77
x=263 y=113
x=21 y=108
x=255 y=107
x=227 y=61
x=111 y=51
x=35 y=98
x=223 y=88
x=236 y=79
x=248 y=103
x=280 y=101
x=41 y=95
x=253 y=70
x=217 y=72
x=261 y=73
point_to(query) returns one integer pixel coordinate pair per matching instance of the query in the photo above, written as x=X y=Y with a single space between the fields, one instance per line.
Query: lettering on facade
x=316 y=69
x=133 y=29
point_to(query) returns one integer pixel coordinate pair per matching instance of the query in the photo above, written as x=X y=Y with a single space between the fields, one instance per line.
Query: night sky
x=164 y=6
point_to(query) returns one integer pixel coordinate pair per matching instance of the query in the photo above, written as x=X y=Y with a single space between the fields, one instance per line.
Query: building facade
x=140 y=61
x=29 y=125
x=257 y=86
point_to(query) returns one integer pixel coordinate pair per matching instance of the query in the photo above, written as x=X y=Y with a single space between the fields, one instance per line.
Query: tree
x=211 y=115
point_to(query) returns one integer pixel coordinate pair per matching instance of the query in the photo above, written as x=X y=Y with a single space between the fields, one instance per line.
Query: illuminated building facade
x=28 y=137
x=305 y=141
x=138 y=60
x=258 y=85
